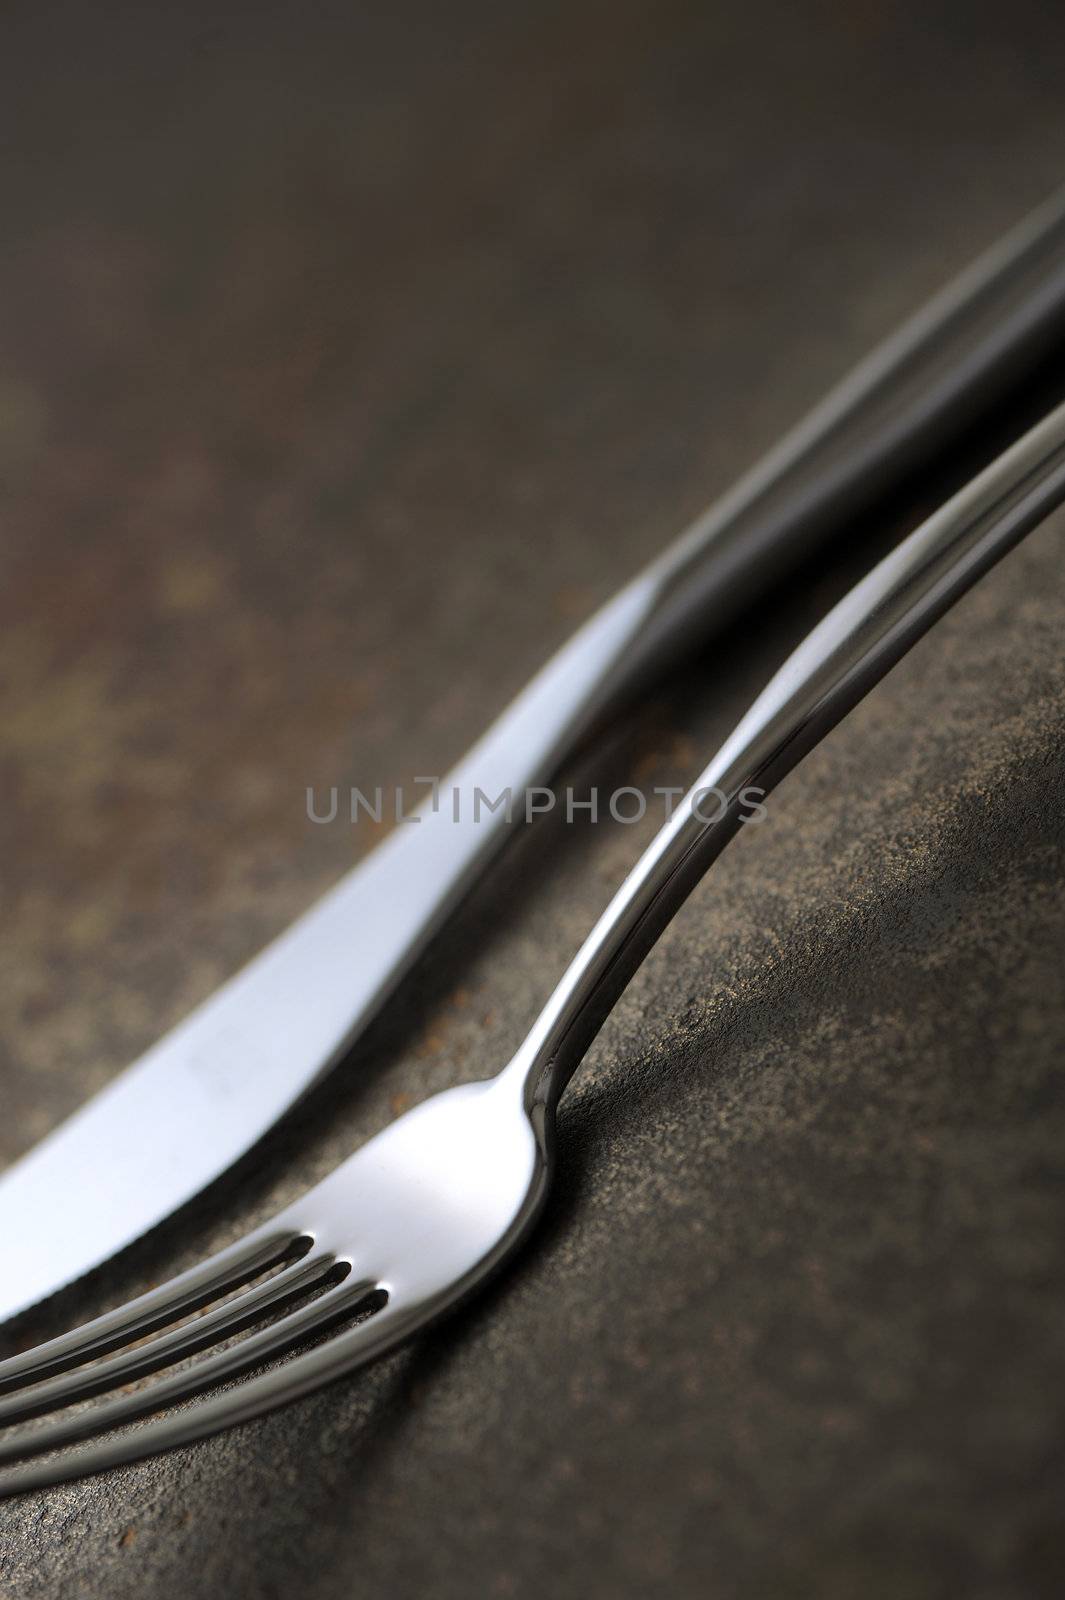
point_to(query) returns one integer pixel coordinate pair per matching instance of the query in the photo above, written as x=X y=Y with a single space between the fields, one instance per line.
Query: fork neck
x=641 y=909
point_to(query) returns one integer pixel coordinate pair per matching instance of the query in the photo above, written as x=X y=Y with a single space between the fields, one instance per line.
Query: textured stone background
x=350 y=355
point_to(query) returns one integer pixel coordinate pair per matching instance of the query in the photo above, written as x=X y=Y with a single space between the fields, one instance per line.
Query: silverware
x=201 y=1096
x=418 y=1217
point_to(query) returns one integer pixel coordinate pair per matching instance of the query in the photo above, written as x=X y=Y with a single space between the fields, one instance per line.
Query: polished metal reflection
x=419 y=1216
x=201 y=1096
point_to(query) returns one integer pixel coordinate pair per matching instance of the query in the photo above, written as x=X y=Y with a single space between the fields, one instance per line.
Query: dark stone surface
x=349 y=359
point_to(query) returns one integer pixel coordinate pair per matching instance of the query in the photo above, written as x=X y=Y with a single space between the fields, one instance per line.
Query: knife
x=198 y=1099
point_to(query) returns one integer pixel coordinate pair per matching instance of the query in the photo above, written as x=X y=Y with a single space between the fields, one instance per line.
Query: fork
x=417 y=1218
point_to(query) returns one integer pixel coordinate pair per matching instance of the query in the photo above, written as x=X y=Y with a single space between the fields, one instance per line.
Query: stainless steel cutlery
x=201 y=1096
x=415 y=1220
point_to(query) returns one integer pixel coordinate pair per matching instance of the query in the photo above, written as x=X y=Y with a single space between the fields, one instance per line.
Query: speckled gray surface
x=348 y=362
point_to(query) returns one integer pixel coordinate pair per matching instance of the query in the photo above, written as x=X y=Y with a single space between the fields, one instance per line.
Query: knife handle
x=898 y=410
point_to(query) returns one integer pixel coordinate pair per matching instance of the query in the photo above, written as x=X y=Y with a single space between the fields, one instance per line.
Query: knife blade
x=197 y=1100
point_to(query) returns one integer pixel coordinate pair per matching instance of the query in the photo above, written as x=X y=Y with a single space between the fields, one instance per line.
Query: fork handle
x=835 y=666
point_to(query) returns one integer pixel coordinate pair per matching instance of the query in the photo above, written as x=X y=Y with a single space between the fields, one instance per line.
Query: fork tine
x=302 y=1375
x=228 y=1269
x=129 y=1365
x=337 y=1302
